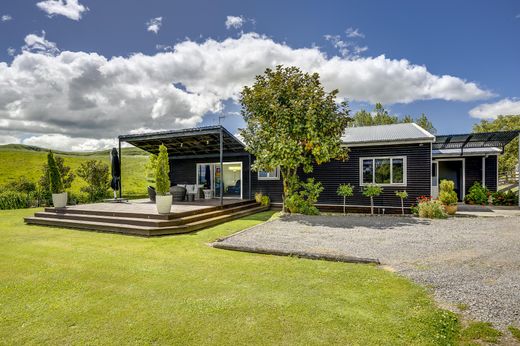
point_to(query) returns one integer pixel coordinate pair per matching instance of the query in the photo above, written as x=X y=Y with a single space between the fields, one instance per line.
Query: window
x=269 y=175
x=383 y=170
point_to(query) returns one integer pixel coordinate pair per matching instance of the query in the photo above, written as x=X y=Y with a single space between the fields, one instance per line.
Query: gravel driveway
x=470 y=261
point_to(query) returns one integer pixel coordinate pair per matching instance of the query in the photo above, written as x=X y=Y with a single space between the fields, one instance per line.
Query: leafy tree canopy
x=292 y=122
x=96 y=175
x=508 y=161
x=64 y=171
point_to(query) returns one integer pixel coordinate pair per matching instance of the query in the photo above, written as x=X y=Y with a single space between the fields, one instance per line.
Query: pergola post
x=249 y=165
x=121 y=171
x=221 y=167
x=518 y=169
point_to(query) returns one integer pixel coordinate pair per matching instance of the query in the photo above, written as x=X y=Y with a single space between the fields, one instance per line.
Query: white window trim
x=373 y=158
x=277 y=170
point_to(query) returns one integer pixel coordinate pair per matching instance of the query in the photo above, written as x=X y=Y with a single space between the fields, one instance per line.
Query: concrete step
x=142 y=230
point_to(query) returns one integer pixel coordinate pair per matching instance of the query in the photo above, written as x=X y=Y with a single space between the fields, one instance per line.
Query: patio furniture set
x=184 y=192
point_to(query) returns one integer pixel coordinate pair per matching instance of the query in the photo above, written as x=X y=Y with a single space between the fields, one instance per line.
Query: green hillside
x=21 y=160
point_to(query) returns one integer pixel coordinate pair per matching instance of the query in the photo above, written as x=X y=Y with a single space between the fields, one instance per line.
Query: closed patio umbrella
x=116 y=171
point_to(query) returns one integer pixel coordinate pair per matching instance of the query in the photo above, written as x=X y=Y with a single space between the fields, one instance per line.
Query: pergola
x=460 y=142
x=200 y=142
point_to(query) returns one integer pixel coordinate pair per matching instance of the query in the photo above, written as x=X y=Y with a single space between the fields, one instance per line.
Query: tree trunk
x=371 y=205
x=344 y=205
x=402 y=205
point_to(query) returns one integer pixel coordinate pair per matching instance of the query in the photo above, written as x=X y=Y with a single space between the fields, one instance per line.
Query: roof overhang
x=471 y=143
x=198 y=141
x=467 y=152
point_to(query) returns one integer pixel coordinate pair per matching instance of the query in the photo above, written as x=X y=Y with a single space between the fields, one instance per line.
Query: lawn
x=63 y=286
x=27 y=161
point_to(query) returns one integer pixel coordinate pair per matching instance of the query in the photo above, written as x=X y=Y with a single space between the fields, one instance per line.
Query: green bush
x=447 y=194
x=446 y=185
x=16 y=200
x=372 y=190
x=430 y=208
x=162 y=172
x=55 y=182
x=477 y=194
x=265 y=200
x=67 y=177
x=150 y=169
x=345 y=190
x=304 y=199
x=505 y=198
x=96 y=175
x=402 y=195
x=258 y=197
x=22 y=184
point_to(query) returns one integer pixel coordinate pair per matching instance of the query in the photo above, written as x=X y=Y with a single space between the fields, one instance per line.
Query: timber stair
x=143 y=224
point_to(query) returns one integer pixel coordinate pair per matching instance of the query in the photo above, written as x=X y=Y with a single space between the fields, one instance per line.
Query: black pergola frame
x=200 y=142
x=497 y=139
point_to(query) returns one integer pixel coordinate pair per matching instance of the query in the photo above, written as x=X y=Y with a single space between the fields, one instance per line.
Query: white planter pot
x=59 y=200
x=163 y=204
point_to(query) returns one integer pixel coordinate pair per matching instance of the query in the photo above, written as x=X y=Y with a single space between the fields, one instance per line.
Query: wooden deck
x=140 y=217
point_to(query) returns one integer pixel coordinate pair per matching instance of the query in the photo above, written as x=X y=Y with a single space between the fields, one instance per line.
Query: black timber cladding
x=334 y=173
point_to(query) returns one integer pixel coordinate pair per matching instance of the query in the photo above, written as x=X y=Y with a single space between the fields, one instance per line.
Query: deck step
x=140 y=230
x=64 y=215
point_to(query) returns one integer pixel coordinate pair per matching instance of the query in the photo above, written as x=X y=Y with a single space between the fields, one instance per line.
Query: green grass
x=20 y=160
x=61 y=286
x=480 y=331
x=515 y=332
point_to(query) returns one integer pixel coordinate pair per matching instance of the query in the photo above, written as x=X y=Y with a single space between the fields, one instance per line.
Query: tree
x=425 y=123
x=96 y=175
x=162 y=172
x=508 y=161
x=292 y=123
x=402 y=195
x=345 y=190
x=150 y=168
x=65 y=173
x=372 y=190
x=55 y=182
x=380 y=117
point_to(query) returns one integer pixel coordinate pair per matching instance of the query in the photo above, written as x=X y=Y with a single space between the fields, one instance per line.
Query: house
x=397 y=157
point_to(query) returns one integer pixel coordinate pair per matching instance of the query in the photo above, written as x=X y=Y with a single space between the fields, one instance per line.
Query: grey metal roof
x=408 y=132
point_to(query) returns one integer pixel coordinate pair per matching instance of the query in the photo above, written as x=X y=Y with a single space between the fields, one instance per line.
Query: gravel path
x=470 y=261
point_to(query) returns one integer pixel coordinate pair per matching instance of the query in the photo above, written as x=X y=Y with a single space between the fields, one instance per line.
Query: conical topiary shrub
x=163 y=199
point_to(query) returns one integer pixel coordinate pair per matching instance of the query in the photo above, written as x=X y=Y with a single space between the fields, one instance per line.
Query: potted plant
x=448 y=196
x=59 y=195
x=345 y=190
x=372 y=190
x=402 y=195
x=163 y=199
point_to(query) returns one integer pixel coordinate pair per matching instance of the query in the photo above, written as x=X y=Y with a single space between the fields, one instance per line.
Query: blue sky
x=64 y=88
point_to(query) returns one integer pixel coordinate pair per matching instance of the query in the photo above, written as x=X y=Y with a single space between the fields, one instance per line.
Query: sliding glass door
x=209 y=175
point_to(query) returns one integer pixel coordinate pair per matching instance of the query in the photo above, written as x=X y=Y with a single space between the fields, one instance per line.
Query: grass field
x=19 y=160
x=63 y=286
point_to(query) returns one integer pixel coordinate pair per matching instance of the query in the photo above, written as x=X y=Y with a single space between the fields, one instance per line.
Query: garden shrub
x=447 y=194
x=265 y=200
x=16 y=200
x=95 y=173
x=22 y=184
x=429 y=208
x=258 y=197
x=509 y=198
x=304 y=199
x=55 y=182
x=345 y=190
x=66 y=178
x=372 y=190
x=477 y=194
x=402 y=195
x=162 y=172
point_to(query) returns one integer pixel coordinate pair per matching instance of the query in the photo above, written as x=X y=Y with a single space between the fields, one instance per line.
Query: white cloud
x=6 y=139
x=11 y=51
x=347 y=49
x=38 y=44
x=353 y=33
x=6 y=18
x=86 y=95
x=154 y=25
x=66 y=143
x=493 y=110
x=235 y=22
x=71 y=9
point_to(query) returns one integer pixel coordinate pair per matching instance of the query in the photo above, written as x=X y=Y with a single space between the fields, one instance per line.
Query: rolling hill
x=18 y=160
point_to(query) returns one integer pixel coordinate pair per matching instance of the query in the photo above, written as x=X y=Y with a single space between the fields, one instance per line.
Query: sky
x=75 y=74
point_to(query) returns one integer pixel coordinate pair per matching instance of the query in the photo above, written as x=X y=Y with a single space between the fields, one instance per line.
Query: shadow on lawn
x=354 y=221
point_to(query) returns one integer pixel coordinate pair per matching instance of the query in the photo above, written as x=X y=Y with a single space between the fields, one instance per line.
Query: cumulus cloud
x=493 y=110
x=7 y=139
x=38 y=44
x=11 y=51
x=6 y=18
x=71 y=9
x=347 y=49
x=154 y=25
x=66 y=143
x=353 y=33
x=235 y=22
x=86 y=95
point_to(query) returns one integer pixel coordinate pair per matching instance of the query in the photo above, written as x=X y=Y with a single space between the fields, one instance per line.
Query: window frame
x=277 y=177
x=374 y=158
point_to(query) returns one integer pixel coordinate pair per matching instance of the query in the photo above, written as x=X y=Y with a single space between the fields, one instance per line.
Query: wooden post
x=249 y=165
x=221 y=167
x=121 y=171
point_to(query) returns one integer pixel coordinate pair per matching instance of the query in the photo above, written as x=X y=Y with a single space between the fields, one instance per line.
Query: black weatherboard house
x=397 y=157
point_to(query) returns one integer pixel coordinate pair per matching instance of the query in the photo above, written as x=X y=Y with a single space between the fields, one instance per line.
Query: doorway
x=209 y=176
x=452 y=169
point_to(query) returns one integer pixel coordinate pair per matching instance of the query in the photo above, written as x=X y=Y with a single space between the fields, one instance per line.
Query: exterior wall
x=473 y=171
x=334 y=173
x=184 y=171
x=492 y=172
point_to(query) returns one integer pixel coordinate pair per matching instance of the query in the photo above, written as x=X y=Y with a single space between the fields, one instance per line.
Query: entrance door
x=210 y=176
x=435 y=180
x=453 y=170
